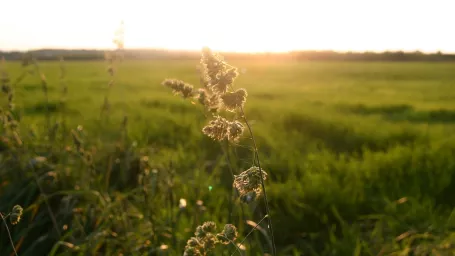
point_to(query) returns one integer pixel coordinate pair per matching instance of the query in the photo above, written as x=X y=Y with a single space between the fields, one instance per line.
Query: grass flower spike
x=249 y=181
x=179 y=87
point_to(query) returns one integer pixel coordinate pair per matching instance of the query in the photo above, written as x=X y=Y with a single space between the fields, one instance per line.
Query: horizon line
x=231 y=52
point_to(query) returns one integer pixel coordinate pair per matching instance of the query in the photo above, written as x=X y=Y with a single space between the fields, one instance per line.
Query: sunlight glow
x=235 y=25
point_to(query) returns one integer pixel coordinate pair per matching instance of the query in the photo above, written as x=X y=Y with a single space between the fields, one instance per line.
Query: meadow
x=359 y=156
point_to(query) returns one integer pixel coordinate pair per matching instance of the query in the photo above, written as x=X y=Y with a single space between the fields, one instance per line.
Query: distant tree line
x=373 y=56
x=138 y=54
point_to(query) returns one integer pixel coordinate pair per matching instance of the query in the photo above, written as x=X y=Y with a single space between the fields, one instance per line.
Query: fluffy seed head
x=179 y=87
x=216 y=75
x=228 y=235
x=191 y=251
x=209 y=226
x=249 y=181
x=233 y=100
x=200 y=233
x=202 y=96
x=230 y=232
x=222 y=239
x=193 y=242
x=212 y=64
x=210 y=242
x=217 y=129
x=235 y=131
x=224 y=80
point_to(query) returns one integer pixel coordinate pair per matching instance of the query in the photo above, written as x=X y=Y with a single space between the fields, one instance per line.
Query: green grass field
x=357 y=154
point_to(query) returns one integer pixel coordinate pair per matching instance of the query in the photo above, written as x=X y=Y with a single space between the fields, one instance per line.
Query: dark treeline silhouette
x=149 y=54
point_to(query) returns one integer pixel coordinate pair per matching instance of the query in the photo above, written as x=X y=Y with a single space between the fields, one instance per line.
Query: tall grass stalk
x=256 y=153
x=46 y=201
x=112 y=58
x=45 y=89
x=14 y=216
x=9 y=233
x=218 y=95
x=63 y=96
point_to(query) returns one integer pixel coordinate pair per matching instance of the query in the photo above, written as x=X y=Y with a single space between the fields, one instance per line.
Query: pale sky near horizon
x=234 y=25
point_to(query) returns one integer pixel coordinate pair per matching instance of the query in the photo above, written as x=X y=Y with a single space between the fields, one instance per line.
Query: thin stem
x=64 y=89
x=46 y=93
x=262 y=181
x=231 y=201
x=51 y=214
x=231 y=195
x=251 y=231
x=236 y=247
x=9 y=234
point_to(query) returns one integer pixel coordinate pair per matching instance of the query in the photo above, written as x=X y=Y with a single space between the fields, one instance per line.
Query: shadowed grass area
x=403 y=112
x=358 y=154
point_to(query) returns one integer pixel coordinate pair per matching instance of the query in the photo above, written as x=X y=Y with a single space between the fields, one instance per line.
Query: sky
x=231 y=25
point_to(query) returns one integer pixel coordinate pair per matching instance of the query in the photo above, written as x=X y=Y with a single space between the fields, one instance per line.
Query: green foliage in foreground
x=359 y=156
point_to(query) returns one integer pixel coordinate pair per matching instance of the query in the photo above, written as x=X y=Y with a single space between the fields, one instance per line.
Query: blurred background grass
x=357 y=154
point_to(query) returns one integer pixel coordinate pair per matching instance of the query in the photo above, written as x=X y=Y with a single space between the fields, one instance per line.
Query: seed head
x=212 y=64
x=179 y=87
x=224 y=80
x=200 y=233
x=193 y=242
x=210 y=242
x=217 y=74
x=202 y=96
x=217 y=129
x=220 y=129
x=222 y=239
x=213 y=103
x=233 y=100
x=230 y=232
x=209 y=227
x=228 y=235
x=16 y=214
x=191 y=251
x=249 y=181
x=235 y=131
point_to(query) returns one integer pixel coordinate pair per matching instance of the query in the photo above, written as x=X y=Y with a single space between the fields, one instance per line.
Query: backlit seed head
x=235 y=131
x=202 y=96
x=179 y=87
x=222 y=239
x=191 y=251
x=221 y=129
x=212 y=64
x=209 y=226
x=224 y=80
x=249 y=181
x=200 y=233
x=233 y=100
x=217 y=129
x=193 y=242
x=213 y=103
x=210 y=242
x=217 y=74
x=230 y=232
